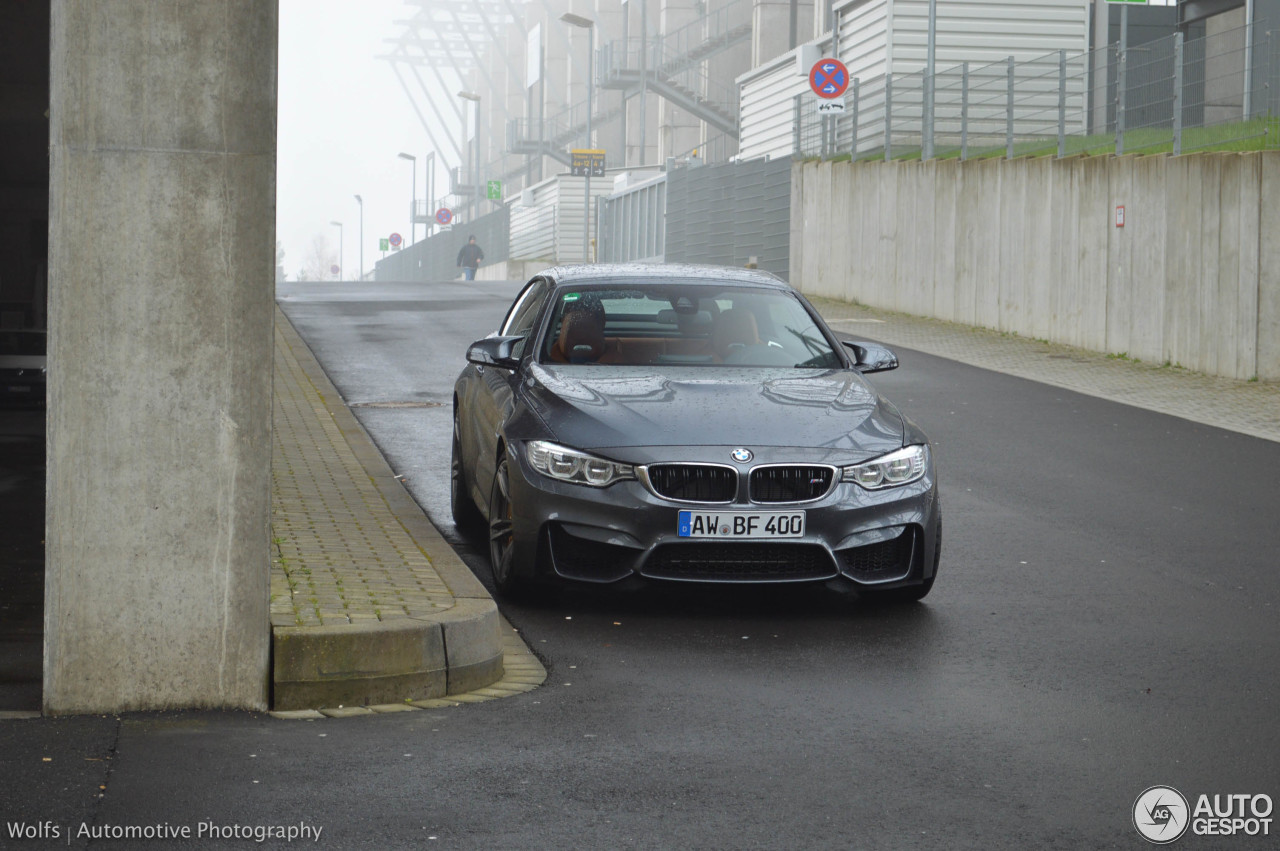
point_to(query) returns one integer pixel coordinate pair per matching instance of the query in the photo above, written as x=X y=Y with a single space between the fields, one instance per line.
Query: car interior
x=640 y=328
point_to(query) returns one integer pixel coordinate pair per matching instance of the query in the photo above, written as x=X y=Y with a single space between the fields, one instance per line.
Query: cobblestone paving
x=1248 y=407
x=340 y=555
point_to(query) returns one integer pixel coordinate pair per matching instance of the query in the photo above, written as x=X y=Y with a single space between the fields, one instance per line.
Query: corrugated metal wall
x=533 y=225
x=435 y=258
x=727 y=214
x=880 y=36
x=550 y=226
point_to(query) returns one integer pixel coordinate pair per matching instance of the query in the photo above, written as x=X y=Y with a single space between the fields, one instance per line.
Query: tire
x=466 y=517
x=501 y=536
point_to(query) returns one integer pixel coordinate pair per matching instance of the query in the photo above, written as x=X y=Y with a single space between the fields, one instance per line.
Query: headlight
x=889 y=471
x=570 y=465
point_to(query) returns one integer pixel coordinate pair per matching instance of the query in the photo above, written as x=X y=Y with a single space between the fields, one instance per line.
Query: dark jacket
x=470 y=255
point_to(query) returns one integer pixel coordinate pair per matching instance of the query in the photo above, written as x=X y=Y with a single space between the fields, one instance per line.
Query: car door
x=495 y=387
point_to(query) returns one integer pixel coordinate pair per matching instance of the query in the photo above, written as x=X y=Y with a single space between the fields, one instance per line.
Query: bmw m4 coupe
x=687 y=424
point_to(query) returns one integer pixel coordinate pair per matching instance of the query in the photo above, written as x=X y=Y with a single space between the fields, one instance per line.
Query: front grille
x=739 y=562
x=694 y=482
x=790 y=484
x=879 y=562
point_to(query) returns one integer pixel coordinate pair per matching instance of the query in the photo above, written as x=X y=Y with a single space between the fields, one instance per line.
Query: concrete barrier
x=1033 y=247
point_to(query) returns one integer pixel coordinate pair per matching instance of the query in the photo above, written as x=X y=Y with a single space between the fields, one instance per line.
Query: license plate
x=740 y=524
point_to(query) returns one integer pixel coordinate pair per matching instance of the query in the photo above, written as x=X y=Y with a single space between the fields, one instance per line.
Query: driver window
x=520 y=320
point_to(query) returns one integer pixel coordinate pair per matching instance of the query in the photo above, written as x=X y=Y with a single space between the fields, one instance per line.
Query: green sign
x=384 y=244
x=495 y=190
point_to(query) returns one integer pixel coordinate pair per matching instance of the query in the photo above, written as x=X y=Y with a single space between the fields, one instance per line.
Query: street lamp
x=590 y=26
x=360 y=201
x=339 y=226
x=413 y=229
x=429 y=186
x=475 y=98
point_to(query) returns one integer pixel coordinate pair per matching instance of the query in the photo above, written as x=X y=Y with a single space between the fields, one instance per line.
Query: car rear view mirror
x=494 y=351
x=872 y=357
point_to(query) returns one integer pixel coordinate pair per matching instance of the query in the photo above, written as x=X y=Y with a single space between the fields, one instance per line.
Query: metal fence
x=729 y=214
x=632 y=224
x=1170 y=94
x=435 y=258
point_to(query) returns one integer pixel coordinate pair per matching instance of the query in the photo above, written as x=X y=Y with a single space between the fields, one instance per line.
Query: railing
x=1164 y=95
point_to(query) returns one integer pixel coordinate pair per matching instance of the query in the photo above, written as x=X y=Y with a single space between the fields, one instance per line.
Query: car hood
x=593 y=407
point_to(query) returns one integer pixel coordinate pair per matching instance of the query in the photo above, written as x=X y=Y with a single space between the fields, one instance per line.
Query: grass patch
x=1259 y=134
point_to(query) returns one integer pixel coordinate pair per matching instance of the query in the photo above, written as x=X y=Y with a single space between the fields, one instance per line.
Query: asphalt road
x=1104 y=621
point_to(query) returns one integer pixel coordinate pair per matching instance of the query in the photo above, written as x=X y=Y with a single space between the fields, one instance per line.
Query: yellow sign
x=587 y=161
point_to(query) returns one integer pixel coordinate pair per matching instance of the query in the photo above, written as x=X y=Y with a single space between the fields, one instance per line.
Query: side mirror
x=872 y=357
x=494 y=351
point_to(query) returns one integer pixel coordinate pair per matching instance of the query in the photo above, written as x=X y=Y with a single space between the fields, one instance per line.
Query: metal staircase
x=673 y=70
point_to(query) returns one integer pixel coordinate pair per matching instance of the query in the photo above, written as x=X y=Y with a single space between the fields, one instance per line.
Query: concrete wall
x=1031 y=246
x=162 y=241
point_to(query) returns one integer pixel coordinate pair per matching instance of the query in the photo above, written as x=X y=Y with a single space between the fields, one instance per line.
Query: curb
x=456 y=651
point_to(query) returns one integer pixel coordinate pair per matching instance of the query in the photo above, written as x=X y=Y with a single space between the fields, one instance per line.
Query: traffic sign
x=587 y=162
x=495 y=190
x=831 y=107
x=396 y=239
x=444 y=216
x=384 y=244
x=828 y=78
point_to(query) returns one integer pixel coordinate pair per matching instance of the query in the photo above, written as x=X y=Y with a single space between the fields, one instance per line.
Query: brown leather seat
x=582 y=336
x=735 y=328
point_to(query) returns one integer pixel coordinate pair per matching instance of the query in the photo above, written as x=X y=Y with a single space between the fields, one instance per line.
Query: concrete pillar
x=161 y=254
x=679 y=131
x=771 y=30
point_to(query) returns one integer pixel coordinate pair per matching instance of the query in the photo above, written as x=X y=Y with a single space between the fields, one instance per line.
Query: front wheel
x=466 y=517
x=501 y=534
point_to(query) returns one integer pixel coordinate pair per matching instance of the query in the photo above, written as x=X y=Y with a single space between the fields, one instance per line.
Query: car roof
x=682 y=273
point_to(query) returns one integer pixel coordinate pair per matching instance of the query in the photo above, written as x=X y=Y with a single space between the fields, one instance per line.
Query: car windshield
x=638 y=325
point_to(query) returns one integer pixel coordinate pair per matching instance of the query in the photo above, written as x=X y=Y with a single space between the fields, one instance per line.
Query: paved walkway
x=342 y=557
x=1248 y=407
x=370 y=607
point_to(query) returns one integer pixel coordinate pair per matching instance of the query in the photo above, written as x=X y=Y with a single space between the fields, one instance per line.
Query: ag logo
x=742 y=456
x=1161 y=815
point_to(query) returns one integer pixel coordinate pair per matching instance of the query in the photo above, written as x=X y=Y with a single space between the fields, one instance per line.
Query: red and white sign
x=1120 y=216
x=828 y=78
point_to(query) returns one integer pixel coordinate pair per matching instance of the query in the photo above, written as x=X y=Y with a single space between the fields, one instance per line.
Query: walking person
x=469 y=258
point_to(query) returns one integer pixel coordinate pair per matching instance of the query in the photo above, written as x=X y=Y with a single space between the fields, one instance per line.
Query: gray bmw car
x=687 y=424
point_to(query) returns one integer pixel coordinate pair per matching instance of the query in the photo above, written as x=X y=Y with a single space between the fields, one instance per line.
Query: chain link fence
x=1220 y=90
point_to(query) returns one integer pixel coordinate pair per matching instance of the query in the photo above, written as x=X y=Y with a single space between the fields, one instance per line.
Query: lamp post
x=360 y=201
x=429 y=185
x=413 y=204
x=590 y=26
x=475 y=189
x=339 y=226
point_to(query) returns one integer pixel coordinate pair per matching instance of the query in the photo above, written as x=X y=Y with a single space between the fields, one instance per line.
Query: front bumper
x=887 y=538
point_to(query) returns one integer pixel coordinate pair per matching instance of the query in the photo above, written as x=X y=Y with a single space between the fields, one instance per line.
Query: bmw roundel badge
x=742 y=456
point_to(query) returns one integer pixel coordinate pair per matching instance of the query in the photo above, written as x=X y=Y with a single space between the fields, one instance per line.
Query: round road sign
x=444 y=215
x=396 y=239
x=828 y=78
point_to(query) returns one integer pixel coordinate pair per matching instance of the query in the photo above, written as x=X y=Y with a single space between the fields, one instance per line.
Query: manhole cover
x=395 y=405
